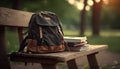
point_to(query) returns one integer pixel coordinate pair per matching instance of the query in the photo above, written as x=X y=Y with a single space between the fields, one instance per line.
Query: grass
x=110 y=37
x=105 y=33
x=12 y=41
x=112 y=42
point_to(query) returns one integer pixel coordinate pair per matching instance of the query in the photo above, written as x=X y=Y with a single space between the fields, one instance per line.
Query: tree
x=113 y=7
x=83 y=19
x=67 y=13
x=96 y=10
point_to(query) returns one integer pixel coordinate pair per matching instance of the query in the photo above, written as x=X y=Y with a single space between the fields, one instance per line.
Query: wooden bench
x=19 y=20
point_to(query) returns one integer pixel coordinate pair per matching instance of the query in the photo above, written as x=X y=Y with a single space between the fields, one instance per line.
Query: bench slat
x=10 y=17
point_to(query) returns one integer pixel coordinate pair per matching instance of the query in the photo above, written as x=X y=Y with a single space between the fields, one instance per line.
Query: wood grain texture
x=93 y=64
x=11 y=17
x=4 y=62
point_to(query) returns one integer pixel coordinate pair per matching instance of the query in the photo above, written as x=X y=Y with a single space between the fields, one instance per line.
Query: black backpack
x=45 y=34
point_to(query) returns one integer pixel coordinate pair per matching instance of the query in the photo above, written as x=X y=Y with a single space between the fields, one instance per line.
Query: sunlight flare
x=79 y=5
x=97 y=1
x=90 y=2
x=106 y=1
x=71 y=1
x=87 y=8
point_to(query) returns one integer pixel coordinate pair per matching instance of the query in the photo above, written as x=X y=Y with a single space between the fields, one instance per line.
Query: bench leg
x=49 y=65
x=4 y=62
x=92 y=61
x=72 y=64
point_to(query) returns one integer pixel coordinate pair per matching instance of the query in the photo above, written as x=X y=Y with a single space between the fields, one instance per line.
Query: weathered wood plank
x=17 y=18
x=92 y=61
x=72 y=64
x=4 y=62
x=61 y=56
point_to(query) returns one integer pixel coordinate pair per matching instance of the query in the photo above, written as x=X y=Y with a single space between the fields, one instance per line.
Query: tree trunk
x=83 y=19
x=96 y=10
x=16 y=4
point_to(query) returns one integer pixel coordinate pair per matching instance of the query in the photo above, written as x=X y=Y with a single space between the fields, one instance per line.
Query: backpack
x=45 y=34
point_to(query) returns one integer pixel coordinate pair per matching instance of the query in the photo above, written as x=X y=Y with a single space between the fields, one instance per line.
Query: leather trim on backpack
x=32 y=47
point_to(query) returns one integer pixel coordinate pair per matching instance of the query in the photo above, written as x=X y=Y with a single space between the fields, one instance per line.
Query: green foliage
x=111 y=14
x=86 y=66
x=67 y=13
x=6 y=3
x=12 y=41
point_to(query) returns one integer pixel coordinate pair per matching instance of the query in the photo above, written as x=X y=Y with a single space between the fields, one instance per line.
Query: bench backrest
x=14 y=18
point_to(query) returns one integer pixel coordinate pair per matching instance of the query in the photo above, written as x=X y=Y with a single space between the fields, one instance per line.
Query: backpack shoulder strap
x=23 y=44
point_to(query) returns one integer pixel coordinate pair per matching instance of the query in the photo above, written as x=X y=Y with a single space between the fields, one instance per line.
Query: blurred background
x=99 y=20
x=74 y=12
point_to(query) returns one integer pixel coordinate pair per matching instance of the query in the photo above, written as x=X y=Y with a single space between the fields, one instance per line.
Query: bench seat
x=56 y=57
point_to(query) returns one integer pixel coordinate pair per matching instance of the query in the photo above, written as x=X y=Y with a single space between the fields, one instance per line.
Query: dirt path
x=104 y=58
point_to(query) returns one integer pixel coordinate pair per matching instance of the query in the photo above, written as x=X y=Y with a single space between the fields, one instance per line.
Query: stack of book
x=76 y=43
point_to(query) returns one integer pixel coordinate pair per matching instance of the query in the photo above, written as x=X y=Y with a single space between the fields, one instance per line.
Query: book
x=75 y=39
x=82 y=48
